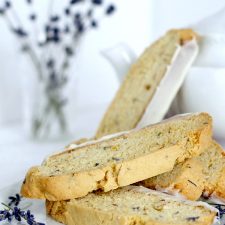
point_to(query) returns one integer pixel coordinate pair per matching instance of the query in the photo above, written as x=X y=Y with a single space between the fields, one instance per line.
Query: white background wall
x=180 y=13
x=136 y=23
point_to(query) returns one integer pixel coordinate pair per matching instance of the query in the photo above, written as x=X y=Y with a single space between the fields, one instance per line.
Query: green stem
x=53 y=107
x=8 y=207
x=42 y=119
x=217 y=204
x=31 y=53
x=35 y=61
x=65 y=62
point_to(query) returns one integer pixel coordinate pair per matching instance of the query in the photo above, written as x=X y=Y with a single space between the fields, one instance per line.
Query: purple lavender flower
x=221 y=209
x=66 y=29
x=97 y=2
x=90 y=13
x=72 y=2
x=2 y=11
x=110 y=9
x=69 y=51
x=7 y=4
x=55 y=18
x=20 y=32
x=14 y=200
x=16 y=213
x=33 y=17
x=5 y=215
x=50 y=63
x=77 y=16
x=94 y=23
x=67 y=11
x=79 y=26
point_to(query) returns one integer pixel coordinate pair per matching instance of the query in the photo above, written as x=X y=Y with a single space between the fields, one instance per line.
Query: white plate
x=37 y=207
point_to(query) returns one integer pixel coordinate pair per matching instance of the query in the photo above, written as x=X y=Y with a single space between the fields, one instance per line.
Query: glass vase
x=46 y=106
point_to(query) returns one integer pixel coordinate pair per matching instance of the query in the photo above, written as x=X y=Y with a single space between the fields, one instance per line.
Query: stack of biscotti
x=117 y=161
x=130 y=108
x=109 y=164
x=195 y=175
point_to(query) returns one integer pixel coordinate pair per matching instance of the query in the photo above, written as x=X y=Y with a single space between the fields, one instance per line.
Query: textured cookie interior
x=183 y=131
x=141 y=82
x=213 y=161
x=144 y=207
x=202 y=173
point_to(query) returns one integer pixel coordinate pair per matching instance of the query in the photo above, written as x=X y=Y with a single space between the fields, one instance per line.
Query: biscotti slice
x=119 y=160
x=159 y=72
x=130 y=206
x=186 y=180
x=200 y=175
x=213 y=161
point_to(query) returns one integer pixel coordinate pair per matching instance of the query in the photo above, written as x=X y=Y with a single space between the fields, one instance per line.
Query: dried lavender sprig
x=34 y=59
x=54 y=98
x=21 y=32
x=14 y=200
x=109 y=10
x=9 y=213
x=16 y=19
x=220 y=207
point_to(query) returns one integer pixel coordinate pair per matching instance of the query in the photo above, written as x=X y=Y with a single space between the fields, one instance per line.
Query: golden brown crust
x=215 y=183
x=208 y=220
x=185 y=35
x=78 y=213
x=56 y=210
x=112 y=176
x=72 y=212
x=196 y=176
x=220 y=186
x=187 y=178
x=191 y=180
x=70 y=186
